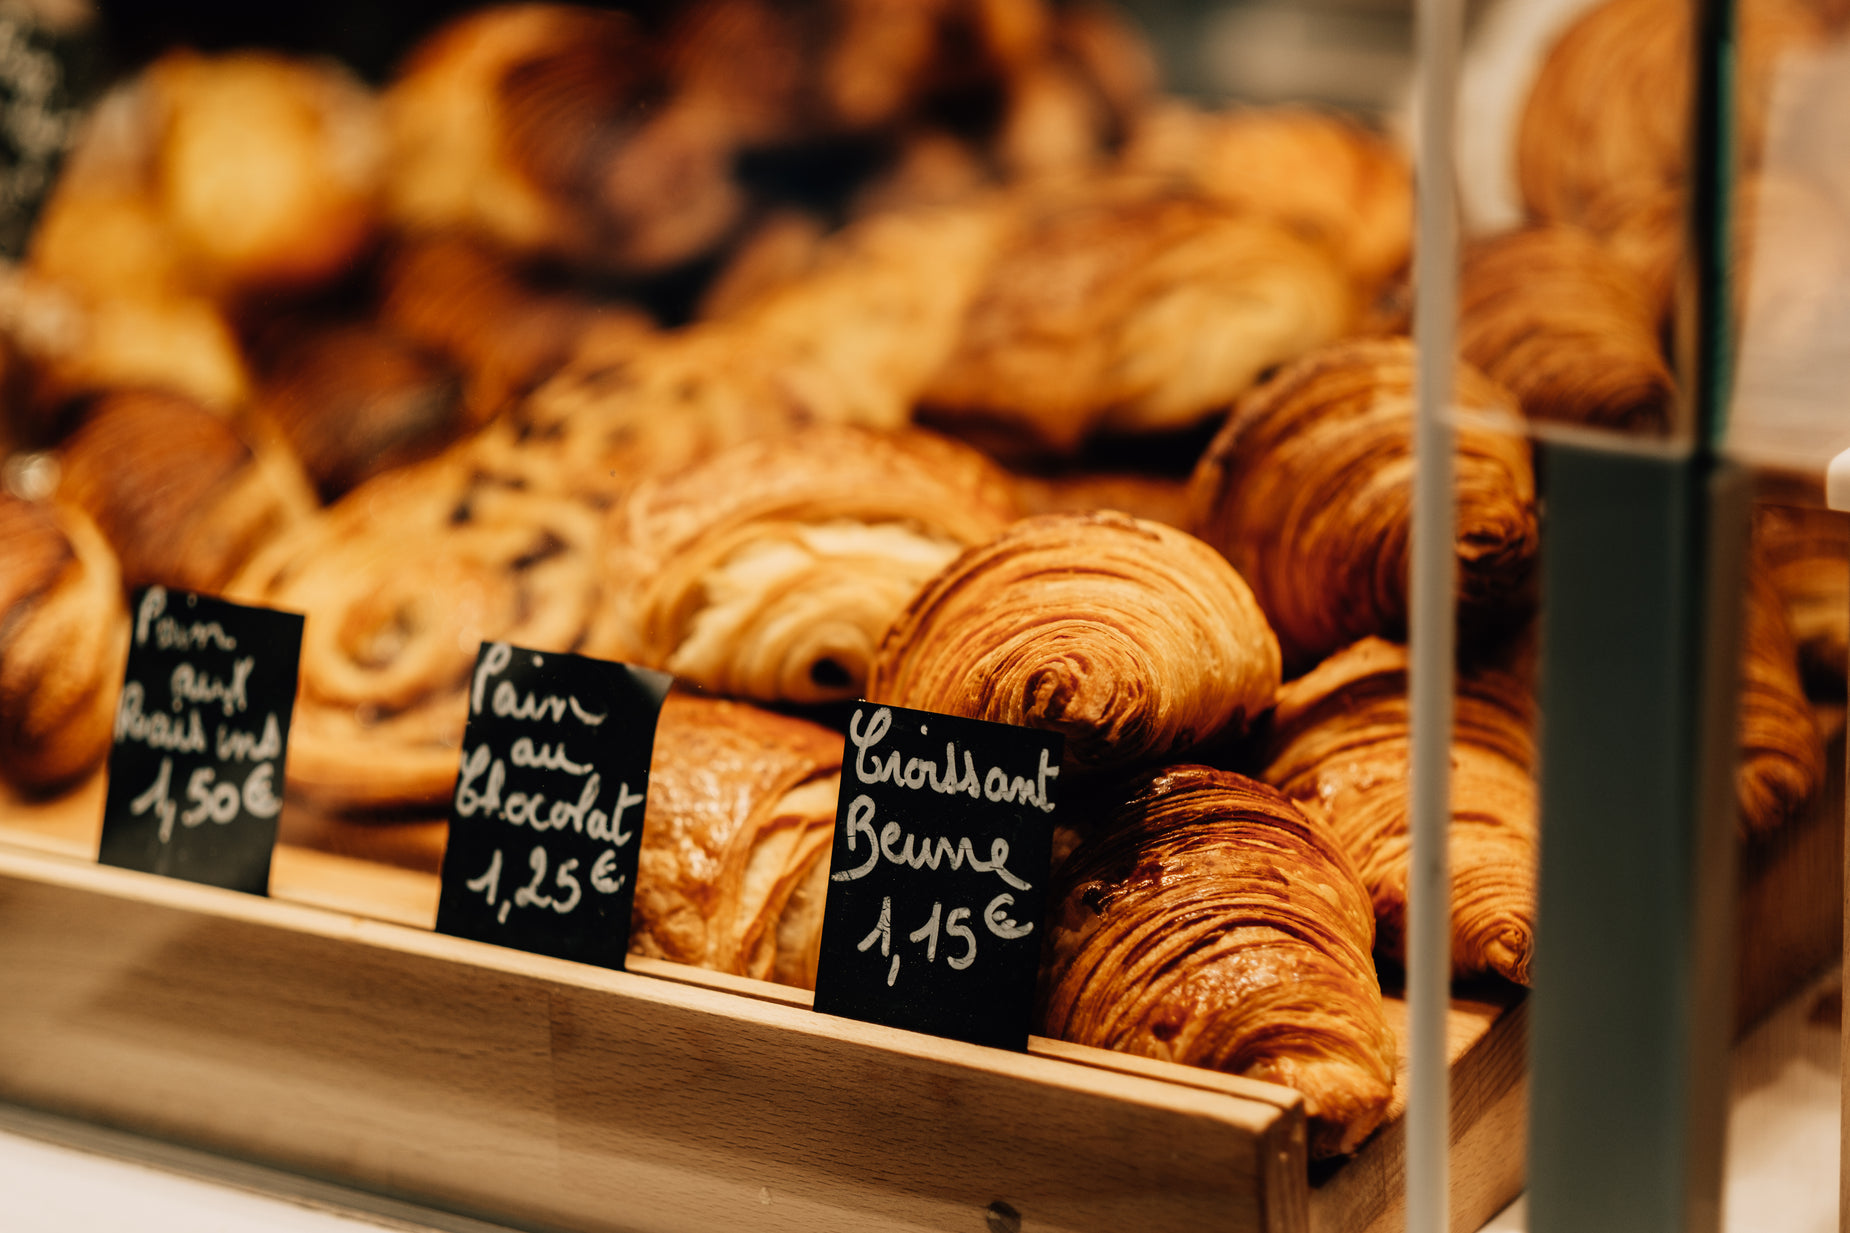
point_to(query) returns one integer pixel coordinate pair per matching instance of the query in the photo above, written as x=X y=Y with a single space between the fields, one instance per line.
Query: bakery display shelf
x=326 y=1030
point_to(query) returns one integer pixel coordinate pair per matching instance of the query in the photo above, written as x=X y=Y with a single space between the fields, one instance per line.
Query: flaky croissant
x=1782 y=755
x=63 y=642
x=772 y=570
x=1339 y=746
x=741 y=813
x=1566 y=328
x=1211 y=922
x=1308 y=490
x=1135 y=640
x=1134 y=313
x=181 y=497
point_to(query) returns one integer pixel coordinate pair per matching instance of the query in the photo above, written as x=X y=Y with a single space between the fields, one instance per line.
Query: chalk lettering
x=156 y=731
x=236 y=746
x=916 y=852
x=188 y=684
x=996 y=785
x=545 y=757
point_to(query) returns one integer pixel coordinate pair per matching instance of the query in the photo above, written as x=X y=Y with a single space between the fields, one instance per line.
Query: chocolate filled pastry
x=1135 y=640
x=353 y=400
x=741 y=816
x=1213 y=923
x=1806 y=555
x=1339 y=746
x=772 y=570
x=64 y=631
x=1562 y=325
x=1130 y=313
x=401 y=581
x=1782 y=755
x=1308 y=490
x=182 y=498
x=1321 y=174
x=555 y=130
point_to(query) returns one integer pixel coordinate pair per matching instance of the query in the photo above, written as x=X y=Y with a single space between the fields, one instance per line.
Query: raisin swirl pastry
x=63 y=643
x=1308 y=490
x=183 y=499
x=735 y=843
x=1135 y=640
x=401 y=581
x=772 y=570
x=1211 y=922
x=1339 y=746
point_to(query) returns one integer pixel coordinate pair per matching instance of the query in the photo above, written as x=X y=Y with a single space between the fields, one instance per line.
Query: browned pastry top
x=1135 y=640
x=1212 y=923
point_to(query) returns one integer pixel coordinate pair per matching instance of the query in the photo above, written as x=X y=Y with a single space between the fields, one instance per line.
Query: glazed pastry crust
x=1308 y=491
x=1133 y=639
x=1339 y=746
x=1213 y=923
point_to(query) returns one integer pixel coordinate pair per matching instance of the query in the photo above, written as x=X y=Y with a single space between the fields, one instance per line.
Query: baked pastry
x=1135 y=640
x=771 y=570
x=64 y=633
x=401 y=581
x=1211 y=922
x=1132 y=313
x=1782 y=755
x=1563 y=326
x=1308 y=490
x=182 y=498
x=1339 y=746
x=1805 y=553
x=741 y=814
x=1319 y=173
x=1155 y=498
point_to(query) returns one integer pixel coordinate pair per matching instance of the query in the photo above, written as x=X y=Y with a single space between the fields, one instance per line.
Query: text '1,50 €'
x=937 y=881
x=546 y=821
x=202 y=726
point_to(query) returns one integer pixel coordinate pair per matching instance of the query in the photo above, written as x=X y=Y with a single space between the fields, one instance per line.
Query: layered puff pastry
x=1211 y=922
x=64 y=634
x=735 y=844
x=1339 y=746
x=1565 y=327
x=401 y=581
x=772 y=570
x=1308 y=490
x=183 y=499
x=1126 y=311
x=1134 y=640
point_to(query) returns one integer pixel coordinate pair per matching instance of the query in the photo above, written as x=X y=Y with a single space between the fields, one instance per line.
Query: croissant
x=1782 y=755
x=1134 y=315
x=1566 y=328
x=1339 y=747
x=1135 y=640
x=182 y=499
x=1308 y=487
x=63 y=643
x=741 y=813
x=772 y=570
x=1212 y=923
x=1319 y=173
x=1806 y=555
x=401 y=581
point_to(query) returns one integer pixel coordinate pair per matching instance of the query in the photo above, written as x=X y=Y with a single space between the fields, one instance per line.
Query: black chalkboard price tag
x=546 y=820
x=196 y=772
x=937 y=882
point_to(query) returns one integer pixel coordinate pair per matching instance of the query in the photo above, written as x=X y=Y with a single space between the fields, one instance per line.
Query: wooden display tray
x=327 y=1031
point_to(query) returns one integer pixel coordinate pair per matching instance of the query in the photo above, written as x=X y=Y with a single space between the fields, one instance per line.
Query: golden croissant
x=772 y=570
x=1339 y=746
x=1135 y=640
x=1213 y=923
x=1308 y=490
x=735 y=844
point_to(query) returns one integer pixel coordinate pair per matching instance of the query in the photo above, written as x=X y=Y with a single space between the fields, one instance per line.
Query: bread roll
x=1212 y=923
x=1340 y=747
x=1136 y=641
x=772 y=570
x=1308 y=491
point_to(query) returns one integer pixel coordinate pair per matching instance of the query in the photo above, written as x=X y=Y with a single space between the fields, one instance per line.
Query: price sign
x=196 y=772
x=546 y=821
x=937 y=882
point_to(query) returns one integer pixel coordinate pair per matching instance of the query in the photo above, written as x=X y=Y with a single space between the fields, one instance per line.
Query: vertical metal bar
x=1432 y=627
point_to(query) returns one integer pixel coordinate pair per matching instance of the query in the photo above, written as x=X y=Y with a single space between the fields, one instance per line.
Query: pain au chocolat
x=1135 y=640
x=1211 y=922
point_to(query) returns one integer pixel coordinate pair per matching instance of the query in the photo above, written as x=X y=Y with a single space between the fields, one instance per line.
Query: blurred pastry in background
x=1782 y=754
x=1805 y=553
